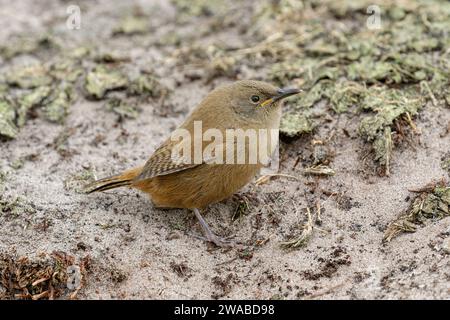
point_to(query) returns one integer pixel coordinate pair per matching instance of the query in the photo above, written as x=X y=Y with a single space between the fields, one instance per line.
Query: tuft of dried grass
x=49 y=276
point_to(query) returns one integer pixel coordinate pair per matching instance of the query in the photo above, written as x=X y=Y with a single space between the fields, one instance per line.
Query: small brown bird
x=180 y=180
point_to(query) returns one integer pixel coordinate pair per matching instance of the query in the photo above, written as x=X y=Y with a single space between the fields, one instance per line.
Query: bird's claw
x=216 y=240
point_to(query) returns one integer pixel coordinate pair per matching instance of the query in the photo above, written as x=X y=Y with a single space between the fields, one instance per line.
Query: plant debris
x=294 y=124
x=26 y=44
x=199 y=7
x=302 y=240
x=147 y=85
x=48 y=276
x=58 y=108
x=319 y=170
x=243 y=205
x=29 y=100
x=132 y=25
x=8 y=127
x=122 y=108
x=432 y=202
x=15 y=207
x=29 y=76
x=67 y=70
x=103 y=79
x=388 y=105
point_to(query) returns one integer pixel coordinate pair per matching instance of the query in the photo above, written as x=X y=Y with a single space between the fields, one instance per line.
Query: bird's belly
x=199 y=186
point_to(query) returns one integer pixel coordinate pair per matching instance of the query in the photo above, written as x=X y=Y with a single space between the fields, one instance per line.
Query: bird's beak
x=281 y=94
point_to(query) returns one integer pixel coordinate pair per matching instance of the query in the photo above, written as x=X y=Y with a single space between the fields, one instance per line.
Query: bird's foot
x=220 y=242
x=216 y=240
x=209 y=235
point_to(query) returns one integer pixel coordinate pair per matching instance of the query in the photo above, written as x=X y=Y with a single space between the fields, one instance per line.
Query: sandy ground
x=137 y=251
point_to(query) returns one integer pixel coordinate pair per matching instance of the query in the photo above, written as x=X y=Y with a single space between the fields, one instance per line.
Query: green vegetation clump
x=48 y=86
x=27 y=44
x=383 y=74
x=432 y=203
x=8 y=127
x=386 y=106
x=133 y=24
x=122 y=108
x=58 y=107
x=199 y=7
x=103 y=79
x=147 y=85
x=15 y=207
x=29 y=76
x=295 y=123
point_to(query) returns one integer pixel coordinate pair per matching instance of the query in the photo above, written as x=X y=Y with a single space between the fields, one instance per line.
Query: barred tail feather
x=124 y=179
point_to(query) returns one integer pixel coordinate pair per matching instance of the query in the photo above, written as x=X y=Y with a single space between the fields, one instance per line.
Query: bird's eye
x=255 y=98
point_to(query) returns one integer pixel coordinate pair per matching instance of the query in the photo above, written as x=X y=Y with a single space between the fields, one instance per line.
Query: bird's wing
x=162 y=162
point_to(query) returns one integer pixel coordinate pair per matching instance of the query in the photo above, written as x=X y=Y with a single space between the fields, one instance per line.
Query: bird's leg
x=210 y=236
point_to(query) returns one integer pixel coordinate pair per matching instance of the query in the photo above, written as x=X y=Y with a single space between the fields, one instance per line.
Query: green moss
x=122 y=108
x=15 y=207
x=396 y=13
x=311 y=96
x=110 y=57
x=103 y=79
x=432 y=204
x=342 y=9
x=29 y=76
x=345 y=95
x=133 y=25
x=79 y=53
x=147 y=85
x=321 y=47
x=31 y=99
x=295 y=123
x=58 y=107
x=26 y=44
x=66 y=70
x=18 y=46
x=386 y=106
x=8 y=127
x=371 y=71
x=199 y=7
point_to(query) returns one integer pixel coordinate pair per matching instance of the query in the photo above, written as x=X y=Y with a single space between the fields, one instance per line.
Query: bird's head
x=256 y=100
